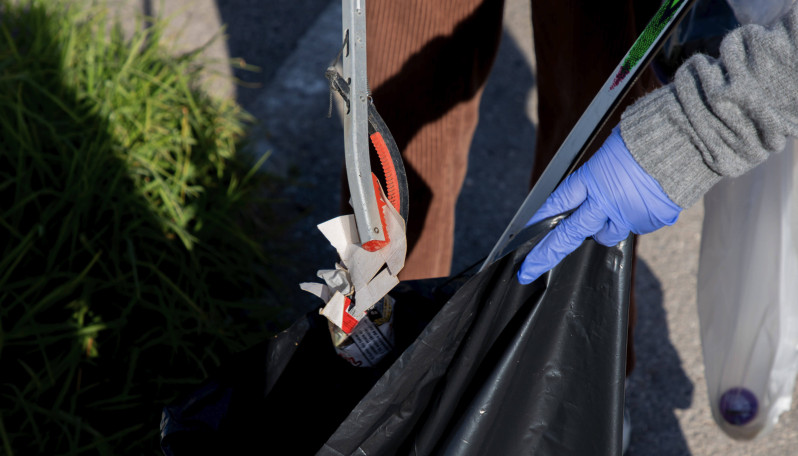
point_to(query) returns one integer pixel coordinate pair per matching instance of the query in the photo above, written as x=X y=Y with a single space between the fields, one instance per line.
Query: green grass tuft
x=130 y=262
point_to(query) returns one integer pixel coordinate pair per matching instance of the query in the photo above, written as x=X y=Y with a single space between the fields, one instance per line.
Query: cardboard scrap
x=320 y=290
x=341 y=232
x=373 y=291
x=361 y=277
x=334 y=310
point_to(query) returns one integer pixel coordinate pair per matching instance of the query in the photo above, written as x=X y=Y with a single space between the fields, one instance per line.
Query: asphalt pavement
x=292 y=43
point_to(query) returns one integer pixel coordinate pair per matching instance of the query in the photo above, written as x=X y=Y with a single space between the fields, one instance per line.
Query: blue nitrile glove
x=614 y=196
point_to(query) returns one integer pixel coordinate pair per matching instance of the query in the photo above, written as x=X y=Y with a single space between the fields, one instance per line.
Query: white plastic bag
x=748 y=295
x=761 y=12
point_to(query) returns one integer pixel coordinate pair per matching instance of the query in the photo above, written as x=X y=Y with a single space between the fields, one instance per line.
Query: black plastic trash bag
x=495 y=368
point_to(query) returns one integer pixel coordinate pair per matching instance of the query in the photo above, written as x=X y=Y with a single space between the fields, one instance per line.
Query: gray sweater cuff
x=720 y=117
x=652 y=132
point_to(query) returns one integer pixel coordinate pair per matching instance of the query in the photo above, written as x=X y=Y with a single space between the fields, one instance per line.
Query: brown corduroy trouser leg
x=427 y=66
x=428 y=62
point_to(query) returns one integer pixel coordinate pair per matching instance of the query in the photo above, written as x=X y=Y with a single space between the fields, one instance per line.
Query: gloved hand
x=612 y=195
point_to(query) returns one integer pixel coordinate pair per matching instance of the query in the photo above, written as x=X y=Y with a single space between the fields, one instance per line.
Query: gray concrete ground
x=293 y=41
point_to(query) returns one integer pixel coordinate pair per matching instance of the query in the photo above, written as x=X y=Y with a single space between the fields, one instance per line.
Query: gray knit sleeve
x=719 y=117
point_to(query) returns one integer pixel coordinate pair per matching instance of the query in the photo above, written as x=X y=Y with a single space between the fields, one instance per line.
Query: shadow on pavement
x=658 y=385
x=264 y=34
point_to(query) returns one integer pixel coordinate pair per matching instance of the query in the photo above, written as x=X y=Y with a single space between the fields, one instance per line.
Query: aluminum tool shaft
x=358 y=167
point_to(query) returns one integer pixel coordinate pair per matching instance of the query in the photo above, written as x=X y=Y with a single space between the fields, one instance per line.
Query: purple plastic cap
x=738 y=406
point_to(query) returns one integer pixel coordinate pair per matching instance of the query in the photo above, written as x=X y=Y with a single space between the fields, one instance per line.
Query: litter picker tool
x=372 y=242
x=587 y=127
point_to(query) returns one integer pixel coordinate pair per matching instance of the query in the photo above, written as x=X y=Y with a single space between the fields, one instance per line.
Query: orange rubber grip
x=391 y=180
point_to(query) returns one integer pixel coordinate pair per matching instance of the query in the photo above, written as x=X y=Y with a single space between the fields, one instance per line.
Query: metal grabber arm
x=361 y=122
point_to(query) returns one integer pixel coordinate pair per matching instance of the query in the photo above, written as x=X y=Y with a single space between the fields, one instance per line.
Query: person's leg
x=578 y=44
x=428 y=62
